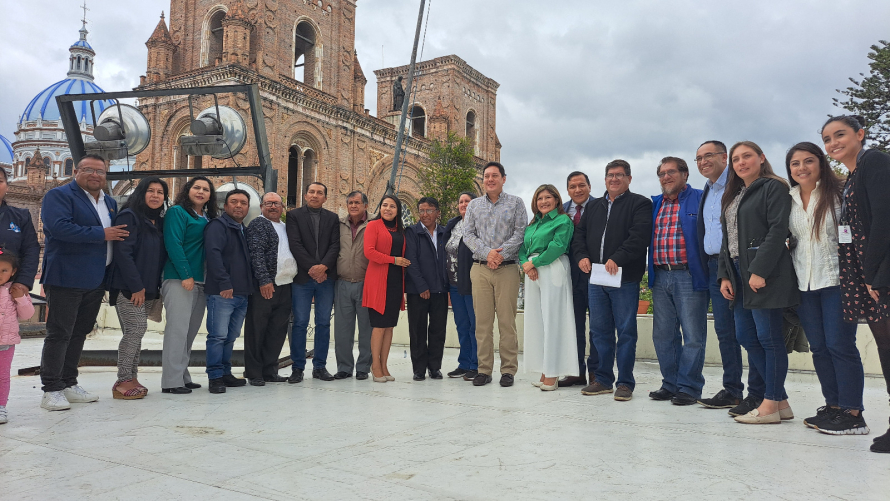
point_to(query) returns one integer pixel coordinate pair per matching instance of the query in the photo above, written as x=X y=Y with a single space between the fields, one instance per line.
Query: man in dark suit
x=578 y=187
x=314 y=237
x=78 y=234
x=427 y=289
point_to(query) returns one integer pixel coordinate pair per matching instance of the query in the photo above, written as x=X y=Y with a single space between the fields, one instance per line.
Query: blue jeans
x=760 y=332
x=224 y=320
x=614 y=309
x=833 y=343
x=465 y=321
x=301 y=297
x=677 y=305
x=724 y=325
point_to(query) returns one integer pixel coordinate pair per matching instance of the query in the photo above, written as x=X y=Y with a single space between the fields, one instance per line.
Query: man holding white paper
x=614 y=233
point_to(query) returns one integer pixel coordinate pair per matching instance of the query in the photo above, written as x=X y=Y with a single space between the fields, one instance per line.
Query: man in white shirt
x=268 y=312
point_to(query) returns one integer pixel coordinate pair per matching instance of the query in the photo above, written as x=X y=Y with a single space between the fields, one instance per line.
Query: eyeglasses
x=271 y=204
x=427 y=211
x=671 y=173
x=619 y=176
x=88 y=171
x=708 y=156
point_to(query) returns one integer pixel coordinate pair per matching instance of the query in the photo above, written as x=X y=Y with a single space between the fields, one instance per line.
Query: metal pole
x=391 y=185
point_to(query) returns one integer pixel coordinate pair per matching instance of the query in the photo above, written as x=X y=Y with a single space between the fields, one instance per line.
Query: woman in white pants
x=550 y=347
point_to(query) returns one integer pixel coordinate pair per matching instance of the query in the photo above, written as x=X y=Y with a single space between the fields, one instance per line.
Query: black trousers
x=265 y=330
x=70 y=317
x=426 y=328
x=580 y=304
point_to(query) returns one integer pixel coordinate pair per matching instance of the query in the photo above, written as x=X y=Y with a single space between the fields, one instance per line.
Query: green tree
x=450 y=170
x=870 y=96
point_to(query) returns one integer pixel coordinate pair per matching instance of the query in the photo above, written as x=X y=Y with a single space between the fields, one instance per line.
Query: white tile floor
x=428 y=440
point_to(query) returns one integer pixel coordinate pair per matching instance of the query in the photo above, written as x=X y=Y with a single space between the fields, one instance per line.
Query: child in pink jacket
x=12 y=309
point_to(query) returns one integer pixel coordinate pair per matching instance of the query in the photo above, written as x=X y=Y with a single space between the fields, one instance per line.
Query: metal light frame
x=263 y=171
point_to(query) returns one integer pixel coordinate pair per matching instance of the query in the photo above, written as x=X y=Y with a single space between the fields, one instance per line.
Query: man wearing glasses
x=614 y=233
x=427 y=288
x=678 y=277
x=268 y=312
x=78 y=234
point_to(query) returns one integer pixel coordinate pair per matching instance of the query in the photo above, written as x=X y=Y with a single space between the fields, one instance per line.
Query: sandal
x=131 y=394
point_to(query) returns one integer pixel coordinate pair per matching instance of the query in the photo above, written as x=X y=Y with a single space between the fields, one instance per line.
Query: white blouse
x=815 y=261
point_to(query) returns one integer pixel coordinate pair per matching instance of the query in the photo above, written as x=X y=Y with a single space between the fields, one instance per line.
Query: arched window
x=49 y=166
x=69 y=167
x=418 y=122
x=215 y=37
x=78 y=62
x=25 y=164
x=300 y=173
x=471 y=127
x=305 y=57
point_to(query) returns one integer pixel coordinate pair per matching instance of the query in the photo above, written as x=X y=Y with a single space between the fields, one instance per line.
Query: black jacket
x=627 y=231
x=262 y=241
x=18 y=236
x=138 y=260
x=427 y=270
x=763 y=228
x=872 y=196
x=464 y=260
x=227 y=258
x=301 y=238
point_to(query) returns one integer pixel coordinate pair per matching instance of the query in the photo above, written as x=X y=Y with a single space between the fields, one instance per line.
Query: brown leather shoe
x=572 y=381
x=596 y=388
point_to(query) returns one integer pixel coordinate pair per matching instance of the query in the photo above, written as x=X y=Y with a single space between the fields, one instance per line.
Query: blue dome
x=83 y=44
x=44 y=105
x=5 y=151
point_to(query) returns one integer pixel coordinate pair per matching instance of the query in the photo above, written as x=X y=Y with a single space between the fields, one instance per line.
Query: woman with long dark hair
x=135 y=280
x=756 y=274
x=864 y=237
x=458 y=261
x=384 y=289
x=815 y=211
x=183 y=287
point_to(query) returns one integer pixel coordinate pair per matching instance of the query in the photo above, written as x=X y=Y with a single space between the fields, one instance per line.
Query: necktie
x=577 y=218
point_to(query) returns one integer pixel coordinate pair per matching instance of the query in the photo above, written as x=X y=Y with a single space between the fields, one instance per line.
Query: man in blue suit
x=78 y=234
x=578 y=187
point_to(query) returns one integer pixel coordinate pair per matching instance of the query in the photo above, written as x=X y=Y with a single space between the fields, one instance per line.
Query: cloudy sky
x=582 y=82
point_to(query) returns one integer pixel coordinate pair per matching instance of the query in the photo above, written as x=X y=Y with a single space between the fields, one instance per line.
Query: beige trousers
x=495 y=292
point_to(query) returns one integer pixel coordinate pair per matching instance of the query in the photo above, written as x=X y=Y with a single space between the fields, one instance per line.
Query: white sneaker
x=54 y=401
x=77 y=395
x=3 y=418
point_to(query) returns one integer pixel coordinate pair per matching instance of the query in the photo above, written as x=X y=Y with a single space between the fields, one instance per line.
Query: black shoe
x=506 y=380
x=296 y=376
x=232 y=381
x=572 y=381
x=661 y=394
x=824 y=414
x=457 y=372
x=342 y=375
x=192 y=386
x=217 y=385
x=418 y=376
x=322 y=374
x=274 y=379
x=471 y=375
x=745 y=406
x=882 y=443
x=683 y=399
x=481 y=379
x=437 y=374
x=722 y=400
x=361 y=376
x=181 y=390
x=256 y=381
x=844 y=423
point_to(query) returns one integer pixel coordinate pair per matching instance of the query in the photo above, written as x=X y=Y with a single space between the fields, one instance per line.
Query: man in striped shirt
x=495 y=226
x=678 y=278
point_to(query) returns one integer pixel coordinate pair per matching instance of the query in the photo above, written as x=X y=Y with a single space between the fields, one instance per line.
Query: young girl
x=13 y=303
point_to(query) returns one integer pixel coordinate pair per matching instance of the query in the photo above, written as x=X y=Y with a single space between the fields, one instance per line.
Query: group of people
x=750 y=244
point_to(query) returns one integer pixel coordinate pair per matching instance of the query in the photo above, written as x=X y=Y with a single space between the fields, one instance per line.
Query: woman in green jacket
x=550 y=347
x=757 y=275
x=183 y=285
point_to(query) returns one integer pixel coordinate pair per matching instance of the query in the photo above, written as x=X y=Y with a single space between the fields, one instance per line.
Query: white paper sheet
x=599 y=276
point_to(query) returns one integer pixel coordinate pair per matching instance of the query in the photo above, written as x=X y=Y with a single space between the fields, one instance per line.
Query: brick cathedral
x=302 y=55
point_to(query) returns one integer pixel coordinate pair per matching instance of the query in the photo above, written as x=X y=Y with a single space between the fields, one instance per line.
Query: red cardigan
x=378 y=245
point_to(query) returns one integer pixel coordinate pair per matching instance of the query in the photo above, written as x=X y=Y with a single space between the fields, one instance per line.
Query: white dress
x=550 y=346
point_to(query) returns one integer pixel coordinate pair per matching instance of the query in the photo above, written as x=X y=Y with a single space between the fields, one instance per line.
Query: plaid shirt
x=669 y=247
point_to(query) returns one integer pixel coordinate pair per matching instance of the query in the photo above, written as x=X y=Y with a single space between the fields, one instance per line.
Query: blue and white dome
x=44 y=105
x=5 y=151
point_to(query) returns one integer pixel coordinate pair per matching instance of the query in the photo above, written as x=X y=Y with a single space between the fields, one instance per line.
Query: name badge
x=843 y=234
